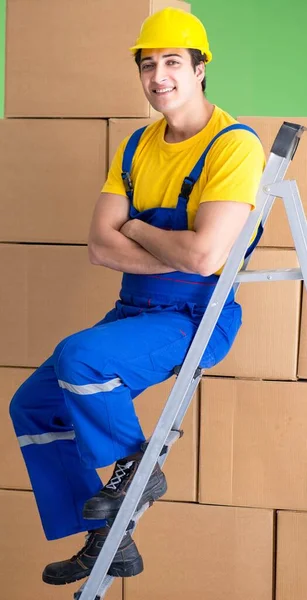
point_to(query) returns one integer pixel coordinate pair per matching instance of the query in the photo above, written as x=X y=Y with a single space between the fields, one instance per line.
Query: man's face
x=168 y=78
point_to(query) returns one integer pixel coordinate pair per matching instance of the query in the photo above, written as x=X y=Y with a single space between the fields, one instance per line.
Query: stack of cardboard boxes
x=72 y=94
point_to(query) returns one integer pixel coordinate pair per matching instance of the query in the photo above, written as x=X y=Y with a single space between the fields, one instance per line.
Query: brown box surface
x=277 y=232
x=253 y=443
x=291 y=578
x=25 y=552
x=149 y=406
x=204 y=552
x=266 y=346
x=302 y=362
x=49 y=293
x=71 y=58
x=120 y=128
x=51 y=173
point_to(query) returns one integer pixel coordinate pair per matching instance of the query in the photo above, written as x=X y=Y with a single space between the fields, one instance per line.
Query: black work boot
x=106 y=504
x=126 y=562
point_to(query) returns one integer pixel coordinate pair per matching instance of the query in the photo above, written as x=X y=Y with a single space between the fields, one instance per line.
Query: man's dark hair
x=196 y=58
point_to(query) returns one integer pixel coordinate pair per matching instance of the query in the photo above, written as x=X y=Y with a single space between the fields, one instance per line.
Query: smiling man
x=176 y=198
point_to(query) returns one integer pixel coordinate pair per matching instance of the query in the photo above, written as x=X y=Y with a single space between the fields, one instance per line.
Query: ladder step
x=271 y=275
x=77 y=595
x=173 y=436
x=104 y=588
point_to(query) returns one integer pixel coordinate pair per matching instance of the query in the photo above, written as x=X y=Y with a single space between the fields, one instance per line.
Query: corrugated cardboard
x=291 y=580
x=149 y=406
x=277 y=232
x=302 y=362
x=49 y=293
x=253 y=443
x=25 y=552
x=266 y=346
x=204 y=552
x=71 y=58
x=51 y=173
x=120 y=128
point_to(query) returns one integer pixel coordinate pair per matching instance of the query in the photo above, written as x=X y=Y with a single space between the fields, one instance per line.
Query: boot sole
x=56 y=581
x=130 y=569
x=150 y=496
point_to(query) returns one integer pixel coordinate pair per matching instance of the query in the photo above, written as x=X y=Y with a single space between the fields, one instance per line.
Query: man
x=176 y=198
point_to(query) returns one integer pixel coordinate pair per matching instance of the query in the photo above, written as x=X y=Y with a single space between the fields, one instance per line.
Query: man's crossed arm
x=133 y=246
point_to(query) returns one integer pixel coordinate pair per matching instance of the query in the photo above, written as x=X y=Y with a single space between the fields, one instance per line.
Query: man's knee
x=74 y=355
x=64 y=356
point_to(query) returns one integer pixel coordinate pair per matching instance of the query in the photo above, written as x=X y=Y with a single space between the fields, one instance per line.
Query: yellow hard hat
x=173 y=28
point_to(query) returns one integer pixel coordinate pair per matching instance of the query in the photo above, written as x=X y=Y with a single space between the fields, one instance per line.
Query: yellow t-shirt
x=232 y=169
x=231 y=172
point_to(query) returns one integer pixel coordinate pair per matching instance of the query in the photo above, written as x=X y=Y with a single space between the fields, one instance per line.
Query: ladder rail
x=297 y=220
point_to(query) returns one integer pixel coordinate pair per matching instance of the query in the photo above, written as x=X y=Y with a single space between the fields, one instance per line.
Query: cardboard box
x=253 y=443
x=266 y=346
x=204 y=552
x=291 y=580
x=121 y=128
x=49 y=293
x=181 y=485
x=72 y=59
x=25 y=552
x=302 y=362
x=277 y=232
x=51 y=174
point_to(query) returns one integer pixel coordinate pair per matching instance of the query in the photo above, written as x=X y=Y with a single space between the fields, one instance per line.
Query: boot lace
x=87 y=541
x=120 y=473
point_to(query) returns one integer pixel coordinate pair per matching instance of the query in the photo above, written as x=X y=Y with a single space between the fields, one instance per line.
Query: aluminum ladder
x=167 y=430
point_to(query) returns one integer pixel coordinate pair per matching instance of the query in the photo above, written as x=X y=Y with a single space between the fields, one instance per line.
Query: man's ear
x=200 y=71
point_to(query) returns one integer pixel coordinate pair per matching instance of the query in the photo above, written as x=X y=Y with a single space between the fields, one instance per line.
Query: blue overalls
x=76 y=412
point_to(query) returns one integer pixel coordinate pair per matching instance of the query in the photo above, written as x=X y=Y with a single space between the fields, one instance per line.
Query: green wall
x=2 y=54
x=259 y=50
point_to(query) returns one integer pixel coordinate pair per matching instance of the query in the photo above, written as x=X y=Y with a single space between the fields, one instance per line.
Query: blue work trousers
x=76 y=412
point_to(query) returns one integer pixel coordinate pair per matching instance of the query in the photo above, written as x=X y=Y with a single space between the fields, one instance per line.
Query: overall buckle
x=187 y=188
x=127 y=181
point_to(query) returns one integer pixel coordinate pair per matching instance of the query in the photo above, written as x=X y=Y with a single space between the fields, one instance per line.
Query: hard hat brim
x=137 y=47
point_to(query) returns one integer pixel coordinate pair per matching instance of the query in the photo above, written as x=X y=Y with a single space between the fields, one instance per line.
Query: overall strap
x=255 y=242
x=189 y=182
x=127 y=161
